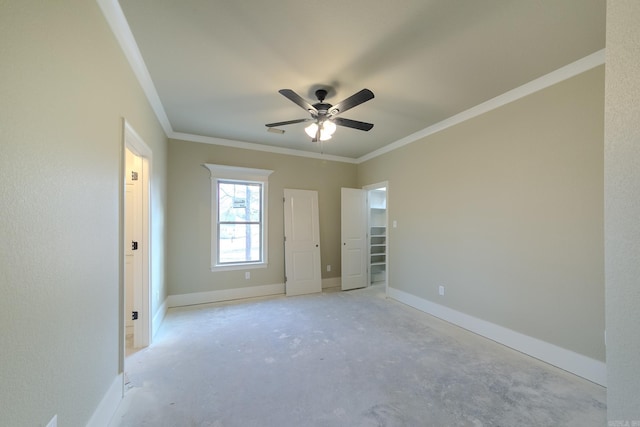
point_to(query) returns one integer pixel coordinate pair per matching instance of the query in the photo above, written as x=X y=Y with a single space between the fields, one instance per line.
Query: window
x=238 y=217
x=239 y=222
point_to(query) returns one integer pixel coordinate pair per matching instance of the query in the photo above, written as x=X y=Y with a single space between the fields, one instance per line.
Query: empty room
x=413 y=213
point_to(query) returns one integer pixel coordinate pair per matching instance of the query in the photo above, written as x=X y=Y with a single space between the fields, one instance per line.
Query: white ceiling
x=217 y=65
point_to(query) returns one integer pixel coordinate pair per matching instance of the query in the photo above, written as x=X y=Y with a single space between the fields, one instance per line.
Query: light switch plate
x=53 y=422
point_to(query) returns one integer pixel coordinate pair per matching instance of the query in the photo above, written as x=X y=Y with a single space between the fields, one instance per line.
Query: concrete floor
x=341 y=359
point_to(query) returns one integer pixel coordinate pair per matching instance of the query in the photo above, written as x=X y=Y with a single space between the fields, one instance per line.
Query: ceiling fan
x=323 y=115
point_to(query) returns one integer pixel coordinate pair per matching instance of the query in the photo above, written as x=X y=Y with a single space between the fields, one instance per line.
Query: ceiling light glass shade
x=327 y=129
x=311 y=130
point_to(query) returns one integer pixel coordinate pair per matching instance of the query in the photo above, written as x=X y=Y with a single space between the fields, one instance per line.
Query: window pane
x=239 y=202
x=239 y=243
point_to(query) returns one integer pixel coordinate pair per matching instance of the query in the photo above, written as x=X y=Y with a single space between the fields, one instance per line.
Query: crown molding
x=257 y=147
x=120 y=27
x=561 y=74
x=118 y=22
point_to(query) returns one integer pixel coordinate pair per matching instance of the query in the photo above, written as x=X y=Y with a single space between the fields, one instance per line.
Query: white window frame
x=235 y=173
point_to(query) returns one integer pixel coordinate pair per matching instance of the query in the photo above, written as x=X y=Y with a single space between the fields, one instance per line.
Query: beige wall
x=505 y=210
x=189 y=213
x=622 y=211
x=64 y=88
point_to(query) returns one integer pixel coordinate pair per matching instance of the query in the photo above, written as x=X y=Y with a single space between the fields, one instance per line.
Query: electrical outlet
x=247 y=275
x=328 y=267
x=441 y=290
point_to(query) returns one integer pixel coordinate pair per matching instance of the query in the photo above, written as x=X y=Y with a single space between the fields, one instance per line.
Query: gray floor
x=341 y=359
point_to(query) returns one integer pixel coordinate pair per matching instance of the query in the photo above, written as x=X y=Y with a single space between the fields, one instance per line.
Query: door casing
x=133 y=142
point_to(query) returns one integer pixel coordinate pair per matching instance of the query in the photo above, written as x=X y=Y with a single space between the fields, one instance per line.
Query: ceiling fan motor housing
x=322 y=108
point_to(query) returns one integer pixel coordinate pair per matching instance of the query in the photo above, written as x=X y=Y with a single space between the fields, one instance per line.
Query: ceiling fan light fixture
x=327 y=129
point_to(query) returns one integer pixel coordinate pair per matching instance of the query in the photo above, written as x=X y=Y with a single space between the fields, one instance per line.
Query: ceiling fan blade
x=352 y=123
x=354 y=100
x=294 y=97
x=288 y=122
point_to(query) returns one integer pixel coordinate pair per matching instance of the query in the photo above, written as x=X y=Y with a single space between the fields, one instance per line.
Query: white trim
x=257 y=147
x=109 y=404
x=331 y=282
x=159 y=317
x=118 y=22
x=568 y=71
x=557 y=76
x=136 y=141
x=240 y=266
x=136 y=144
x=237 y=172
x=224 y=295
x=226 y=172
x=578 y=364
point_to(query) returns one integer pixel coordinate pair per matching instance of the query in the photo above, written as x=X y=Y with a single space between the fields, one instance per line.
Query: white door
x=302 y=242
x=354 y=238
x=133 y=254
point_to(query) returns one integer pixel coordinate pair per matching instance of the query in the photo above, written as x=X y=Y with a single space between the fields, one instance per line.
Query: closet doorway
x=364 y=233
x=378 y=233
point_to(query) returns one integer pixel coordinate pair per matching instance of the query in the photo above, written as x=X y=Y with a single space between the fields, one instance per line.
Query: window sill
x=235 y=267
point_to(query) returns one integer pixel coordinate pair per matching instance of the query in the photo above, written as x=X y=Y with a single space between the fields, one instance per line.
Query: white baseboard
x=224 y=295
x=158 y=318
x=109 y=404
x=331 y=282
x=578 y=364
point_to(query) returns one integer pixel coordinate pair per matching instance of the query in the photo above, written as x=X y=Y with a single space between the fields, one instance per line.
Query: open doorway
x=136 y=301
x=377 y=198
x=364 y=237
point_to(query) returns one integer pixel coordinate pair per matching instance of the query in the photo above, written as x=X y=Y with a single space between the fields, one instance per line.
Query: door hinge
x=134 y=246
x=134 y=315
x=134 y=176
